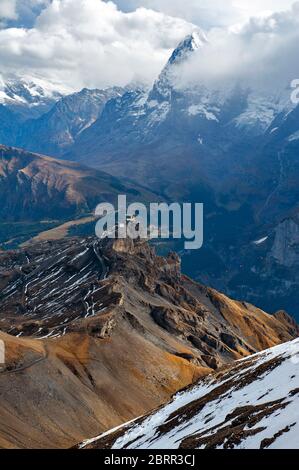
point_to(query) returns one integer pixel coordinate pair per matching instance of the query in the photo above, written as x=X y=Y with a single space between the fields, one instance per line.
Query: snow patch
x=261 y=241
x=199 y=109
x=293 y=137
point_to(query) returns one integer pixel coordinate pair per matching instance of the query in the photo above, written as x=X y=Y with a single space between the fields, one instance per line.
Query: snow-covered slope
x=29 y=97
x=251 y=405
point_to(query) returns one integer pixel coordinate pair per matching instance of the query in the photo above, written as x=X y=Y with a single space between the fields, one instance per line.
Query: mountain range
x=56 y=131
x=235 y=148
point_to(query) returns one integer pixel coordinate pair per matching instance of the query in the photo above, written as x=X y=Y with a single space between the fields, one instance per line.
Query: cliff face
x=275 y=257
x=83 y=317
x=285 y=249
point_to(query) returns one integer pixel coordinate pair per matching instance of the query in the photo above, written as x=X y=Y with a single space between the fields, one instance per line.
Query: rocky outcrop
x=53 y=288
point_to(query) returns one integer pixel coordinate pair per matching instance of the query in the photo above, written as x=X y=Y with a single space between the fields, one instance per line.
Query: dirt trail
x=28 y=366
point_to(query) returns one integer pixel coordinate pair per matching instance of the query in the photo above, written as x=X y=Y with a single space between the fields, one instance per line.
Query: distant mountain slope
x=54 y=132
x=47 y=119
x=27 y=97
x=35 y=187
x=250 y=405
x=9 y=126
x=90 y=316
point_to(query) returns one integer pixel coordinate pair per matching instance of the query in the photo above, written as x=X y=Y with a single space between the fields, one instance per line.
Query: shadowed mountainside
x=33 y=187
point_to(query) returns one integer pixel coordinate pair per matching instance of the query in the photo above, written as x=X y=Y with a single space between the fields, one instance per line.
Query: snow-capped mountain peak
x=189 y=44
x=163 y=86
x=29 y=96
x=25 y=90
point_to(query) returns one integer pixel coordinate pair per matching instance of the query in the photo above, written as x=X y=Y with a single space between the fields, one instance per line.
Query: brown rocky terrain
x=100 y=332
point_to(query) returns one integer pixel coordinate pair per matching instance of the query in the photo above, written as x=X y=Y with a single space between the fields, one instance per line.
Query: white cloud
x=92 y=43
x=8 y=9
x=209 y=13
x=262 y=53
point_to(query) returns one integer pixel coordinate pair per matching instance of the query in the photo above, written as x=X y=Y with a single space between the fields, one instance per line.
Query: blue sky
x=20 y=13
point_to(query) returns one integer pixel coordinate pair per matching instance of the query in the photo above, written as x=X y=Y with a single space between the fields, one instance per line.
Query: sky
x=97 y=43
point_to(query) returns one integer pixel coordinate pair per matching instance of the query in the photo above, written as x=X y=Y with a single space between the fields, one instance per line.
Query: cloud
x=209 y=13
x=262 y=53
x=204 y=13
x=8 y=9
x=92 y=43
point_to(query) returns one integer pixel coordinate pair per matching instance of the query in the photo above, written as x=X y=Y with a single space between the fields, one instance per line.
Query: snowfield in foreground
x=253 y=404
